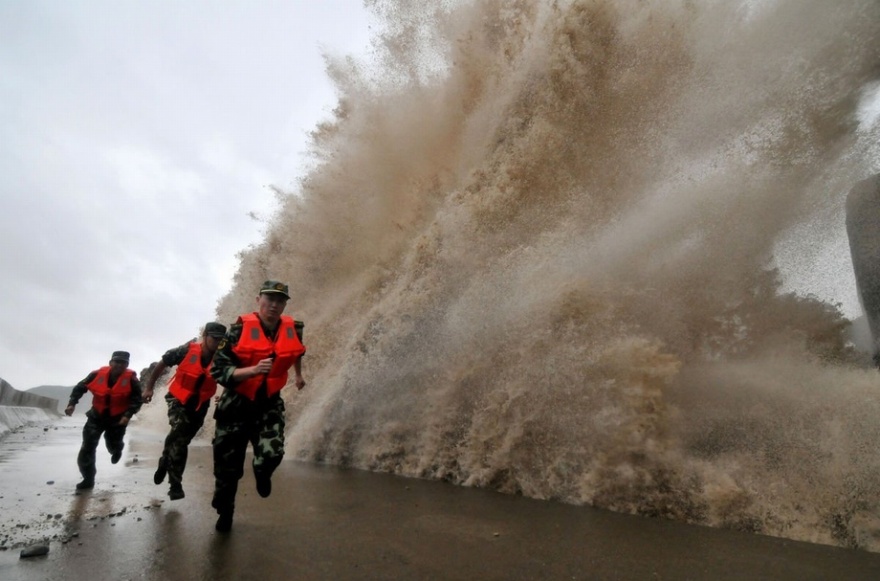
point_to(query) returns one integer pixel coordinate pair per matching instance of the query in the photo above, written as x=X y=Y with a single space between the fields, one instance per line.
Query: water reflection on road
x=325 y=523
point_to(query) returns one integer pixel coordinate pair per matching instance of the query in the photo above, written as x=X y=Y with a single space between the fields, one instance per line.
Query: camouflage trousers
x=95 y=427
x=185 y=424
x=240 y=421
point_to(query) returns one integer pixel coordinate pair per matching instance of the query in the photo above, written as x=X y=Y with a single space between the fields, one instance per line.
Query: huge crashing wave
x=538 y=249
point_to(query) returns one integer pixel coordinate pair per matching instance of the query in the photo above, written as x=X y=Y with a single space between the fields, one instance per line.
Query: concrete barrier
x=11 y=396
x=18 y=408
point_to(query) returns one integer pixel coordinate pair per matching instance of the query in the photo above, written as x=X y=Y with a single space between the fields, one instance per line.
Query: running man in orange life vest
x=188 y=398
x=252 y=363
x=116 y=397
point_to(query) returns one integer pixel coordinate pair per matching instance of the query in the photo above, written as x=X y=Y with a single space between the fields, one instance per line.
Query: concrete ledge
x=13 y=417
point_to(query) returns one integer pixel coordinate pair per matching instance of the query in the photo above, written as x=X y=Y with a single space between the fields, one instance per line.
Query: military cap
x=215 y=330
x=274 y=287
x=120 y=356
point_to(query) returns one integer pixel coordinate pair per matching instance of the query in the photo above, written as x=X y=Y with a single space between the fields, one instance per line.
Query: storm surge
x=541 y=248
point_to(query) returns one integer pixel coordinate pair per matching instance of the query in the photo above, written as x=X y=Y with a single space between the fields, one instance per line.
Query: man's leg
x=184 y=425
x=230 y=445
x=92 y=431
x=162 y=468
x=113 y=438
x=268 y=443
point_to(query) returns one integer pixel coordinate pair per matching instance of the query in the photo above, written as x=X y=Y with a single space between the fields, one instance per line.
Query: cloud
x=136 y=141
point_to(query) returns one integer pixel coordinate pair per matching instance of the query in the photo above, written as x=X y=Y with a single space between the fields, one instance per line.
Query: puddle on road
x=38 y=475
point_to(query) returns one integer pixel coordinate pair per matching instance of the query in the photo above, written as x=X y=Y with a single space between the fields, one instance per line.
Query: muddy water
x=546 y=248
x=326 y=523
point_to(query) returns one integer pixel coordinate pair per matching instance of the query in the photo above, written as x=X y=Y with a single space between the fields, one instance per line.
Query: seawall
x=18 y=408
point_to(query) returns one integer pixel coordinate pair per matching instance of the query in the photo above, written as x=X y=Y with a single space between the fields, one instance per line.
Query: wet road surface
x=326 y=523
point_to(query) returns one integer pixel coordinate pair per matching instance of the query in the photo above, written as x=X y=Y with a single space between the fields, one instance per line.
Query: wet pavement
x=326 y=523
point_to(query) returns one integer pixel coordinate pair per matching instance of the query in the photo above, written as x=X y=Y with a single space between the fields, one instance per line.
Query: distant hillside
x=57 y=392
x=62 y=392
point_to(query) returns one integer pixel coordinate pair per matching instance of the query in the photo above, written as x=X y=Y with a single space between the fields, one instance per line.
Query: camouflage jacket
x=176 y=355
x=82 y=387
x=226 y=362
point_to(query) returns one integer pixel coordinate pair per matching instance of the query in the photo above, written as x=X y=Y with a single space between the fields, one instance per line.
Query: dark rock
x=34 y=551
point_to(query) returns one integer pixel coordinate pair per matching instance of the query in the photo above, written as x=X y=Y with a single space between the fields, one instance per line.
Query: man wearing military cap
x=252 y=364
x=116 y=397
x=188 y=398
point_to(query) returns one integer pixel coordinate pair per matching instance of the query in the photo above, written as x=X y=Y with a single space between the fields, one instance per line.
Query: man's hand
x=263 y=367
x=148 y=395
x=123 y=421
x=299 y=382
x=69 y=410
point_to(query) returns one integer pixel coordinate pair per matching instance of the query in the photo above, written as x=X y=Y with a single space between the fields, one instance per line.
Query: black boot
x=161 y=471
x=175 y=492
x=264 y=484
x=224 y=522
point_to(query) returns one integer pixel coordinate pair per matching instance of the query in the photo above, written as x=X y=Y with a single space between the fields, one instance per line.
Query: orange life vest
x=186 y=378
x=117 y=397
x=253 y=345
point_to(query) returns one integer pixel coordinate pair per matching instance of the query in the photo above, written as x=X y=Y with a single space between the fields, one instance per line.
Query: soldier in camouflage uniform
x=188 y=398
x=116 y=397
x=252 y=363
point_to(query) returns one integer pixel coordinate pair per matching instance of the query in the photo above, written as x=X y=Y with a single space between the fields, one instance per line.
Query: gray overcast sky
x=135 y=139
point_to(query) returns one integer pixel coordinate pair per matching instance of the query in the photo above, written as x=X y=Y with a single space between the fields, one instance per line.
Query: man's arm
x=156 y=374
x=297 y=369
x=297 y=365
x=136 y=401
x=78 y=391
x=171 y=358
x=225 y=362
